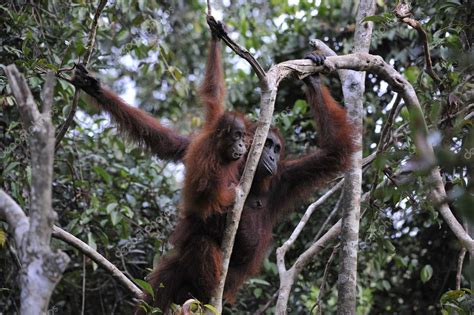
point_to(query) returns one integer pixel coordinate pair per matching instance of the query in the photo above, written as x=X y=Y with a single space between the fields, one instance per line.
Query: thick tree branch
x=85 y=62
x=11 y=212
x=41 y=267
x=353 y=88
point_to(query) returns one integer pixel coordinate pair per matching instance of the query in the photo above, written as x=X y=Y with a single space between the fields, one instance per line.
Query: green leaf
x=10 y=168
x=115 y=217
x=259 y=281
x=257 y=292
x=127 y=211
x=145 y=286
x=102 y=173
x=211 y=308
x=426 y=273
x=386 y=285
x=412 y=73
x=110 y=207
x=91 y=240
x=301 y=106
x=452 y=295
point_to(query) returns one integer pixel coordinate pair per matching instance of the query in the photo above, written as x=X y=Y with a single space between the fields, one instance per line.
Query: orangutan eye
x=238 y=135
x=268 y=143
x=277 y=148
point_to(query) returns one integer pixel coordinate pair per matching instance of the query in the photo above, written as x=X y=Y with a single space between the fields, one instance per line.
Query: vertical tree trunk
x=353 y=90
x=42 y=267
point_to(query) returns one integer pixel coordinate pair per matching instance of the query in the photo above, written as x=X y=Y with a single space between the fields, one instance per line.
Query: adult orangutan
x=193 y=267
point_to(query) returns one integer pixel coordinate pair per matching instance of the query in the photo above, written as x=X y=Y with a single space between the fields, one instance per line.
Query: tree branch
x=403 y=13
x=41 y=267
x=353 y=88
x=11 y=212
x=97 y=258
x=462 y=254
x=218 y=29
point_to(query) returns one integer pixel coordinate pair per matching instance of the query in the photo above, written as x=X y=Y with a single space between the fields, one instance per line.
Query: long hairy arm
x=212 y=90
x=138 y=125
x=297 y=178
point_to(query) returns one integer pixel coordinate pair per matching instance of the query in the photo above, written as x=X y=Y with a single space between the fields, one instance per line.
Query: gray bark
x=353 y=87
x=42 y=268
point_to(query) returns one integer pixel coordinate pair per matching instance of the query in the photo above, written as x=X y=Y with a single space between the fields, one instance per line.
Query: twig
x=323 y=282
x=384 y=139
x=261 y=310
x=209 y=8
x=462 y=254
x=217 y=29
x=281 y=251
x=389 y=123
x=328 y=219
x=86 y=59
x=403 y=13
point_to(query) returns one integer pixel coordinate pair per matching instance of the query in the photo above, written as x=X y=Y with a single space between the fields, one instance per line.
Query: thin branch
x=84 y=272
x=86 y=59
x=209 y=8
x=403 y=13
x=323 y=282
x=218 y=29
x=329 y=218
x=97 y=258
x=462 y=255
x=389 y=123
x=261 y=310
x=281 y=251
